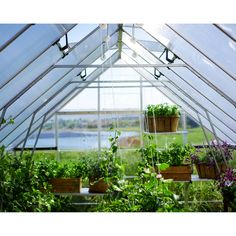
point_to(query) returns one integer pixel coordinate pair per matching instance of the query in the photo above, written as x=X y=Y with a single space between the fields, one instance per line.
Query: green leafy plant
x=108 y=164
x=163 y=109
x=21 y=185
x=145 y=193
x=175 y=155
x=213 y=153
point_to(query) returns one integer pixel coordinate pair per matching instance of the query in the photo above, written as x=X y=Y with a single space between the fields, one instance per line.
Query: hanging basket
x=206 y=171
x=161 y=123
x=66 y=185
x=98 y=186
x=178 y=173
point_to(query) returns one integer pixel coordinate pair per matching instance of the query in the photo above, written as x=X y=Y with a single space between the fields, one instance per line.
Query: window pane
x=186 y=52
x=25 y=48
x=35 y=69
x=230 y=29
x=7 y=31
x=208 y=38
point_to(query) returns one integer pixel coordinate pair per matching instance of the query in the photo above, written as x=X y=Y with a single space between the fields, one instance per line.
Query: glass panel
x=210 y=40
x=35 y=69
x=230 y=29
x=216 y=122
x=192 y=113
x=77 y=132
x=87 y=46
x=7 y=31
x=86 y=100
x=24 y=126
x=202 y=98
x=27 y=47
x=186 y=52
x=189 y=102
x=68 y=26
x=79 y=32
x=17 y=132
x=66 y=94
x=28 y=107
x=21 y=115
x=20 y=134
x=152 y=46
x=46 y=137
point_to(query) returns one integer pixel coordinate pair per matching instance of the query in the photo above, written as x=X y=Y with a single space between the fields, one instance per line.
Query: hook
x=157 y=76
x=167 y=56
x=82 y=76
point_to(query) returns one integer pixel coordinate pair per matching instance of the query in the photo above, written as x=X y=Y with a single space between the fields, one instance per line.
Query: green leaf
x=164 y=166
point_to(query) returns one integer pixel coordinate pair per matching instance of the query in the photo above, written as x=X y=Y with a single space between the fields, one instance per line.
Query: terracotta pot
x=161 y=124
x=66 y=185
x=98 y=186
x=206 y=171
x=178 y=173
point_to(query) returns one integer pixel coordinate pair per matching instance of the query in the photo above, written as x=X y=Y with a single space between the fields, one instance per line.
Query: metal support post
x=185 y=133
x=99 y=115
x=2 y=116
x=217 y=140
x=27 y=134
x=141 y=112
x=199 y=118
x=36 y=141
x=56 y=137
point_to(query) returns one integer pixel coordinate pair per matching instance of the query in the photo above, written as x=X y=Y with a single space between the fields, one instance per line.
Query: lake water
x=77 y=140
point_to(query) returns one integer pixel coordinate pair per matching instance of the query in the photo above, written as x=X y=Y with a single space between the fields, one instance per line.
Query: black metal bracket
x=157 y=76
x=167 y=56
x=64 y=48
x=82 y=76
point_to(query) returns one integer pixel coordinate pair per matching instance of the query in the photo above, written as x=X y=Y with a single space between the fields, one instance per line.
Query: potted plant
x=106 y=169
x=227 y=185
x=161 y=118
x=64 y=177
x=210 y=162
x=172 y=163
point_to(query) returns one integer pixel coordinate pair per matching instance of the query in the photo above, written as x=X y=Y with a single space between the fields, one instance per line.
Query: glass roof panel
x=230 y=29
x=193 y=114
x=190 y=101
x=207 y=38
x=32 y=105
x=26 y=47
x=20 y=133
x=222 y=82
x=42 y=92
x=59 y=100
x=197 y=87
x=29 y=74
x=87 y=46
x=7 y=31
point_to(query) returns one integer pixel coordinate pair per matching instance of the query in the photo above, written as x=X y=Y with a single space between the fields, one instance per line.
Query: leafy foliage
x=215 y=151
x=174 y=155
x=162 y=109
x=144 y=194
x=107 y=165
x=21 y=185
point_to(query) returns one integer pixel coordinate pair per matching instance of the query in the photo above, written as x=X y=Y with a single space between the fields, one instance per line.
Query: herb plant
x=145 y=193
x=217 y=152
x=107 y=165
x=174 y=155
x=162 y=109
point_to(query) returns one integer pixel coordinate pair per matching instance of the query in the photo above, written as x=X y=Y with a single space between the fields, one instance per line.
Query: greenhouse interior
x=150 y=107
